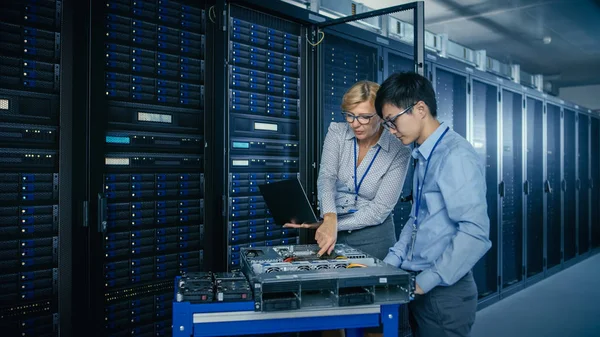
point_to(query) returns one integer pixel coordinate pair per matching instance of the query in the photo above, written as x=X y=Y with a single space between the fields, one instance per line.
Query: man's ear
x=420 y=110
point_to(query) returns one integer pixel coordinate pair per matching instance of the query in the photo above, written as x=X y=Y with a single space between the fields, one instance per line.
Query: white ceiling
x=512 y=31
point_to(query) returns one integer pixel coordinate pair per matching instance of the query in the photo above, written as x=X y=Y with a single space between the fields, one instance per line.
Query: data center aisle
x=564 y=305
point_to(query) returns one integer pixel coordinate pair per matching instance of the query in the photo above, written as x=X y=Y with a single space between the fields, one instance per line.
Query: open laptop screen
x=288 y=202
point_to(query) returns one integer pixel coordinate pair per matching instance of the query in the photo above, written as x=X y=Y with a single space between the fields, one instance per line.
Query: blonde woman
x=361 y=176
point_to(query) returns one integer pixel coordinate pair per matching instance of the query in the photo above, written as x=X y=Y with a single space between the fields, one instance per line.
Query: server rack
x=583 y=183
x=451 y=94
x=595 y=181
x=546 y=197
x=569 y=184
x=534 y=186
x=147 y=185
x=264 y=114
x=397 y=63
x=553 y=186
x=378 y=64
x=511 y=190
x=485 y=139
x=345 y=61
x=30 y=99
x=401 y=62
x=318 y=55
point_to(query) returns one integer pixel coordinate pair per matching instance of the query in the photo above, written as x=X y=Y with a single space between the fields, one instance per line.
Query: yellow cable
x=356 y=265
x=318 y=42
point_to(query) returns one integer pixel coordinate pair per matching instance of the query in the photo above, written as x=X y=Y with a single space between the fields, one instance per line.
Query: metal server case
x=293 y=277
x=264 y=124
x=148 y=110
x=30 y=68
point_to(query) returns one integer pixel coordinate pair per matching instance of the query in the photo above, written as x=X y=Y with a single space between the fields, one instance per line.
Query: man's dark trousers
x=445 y=311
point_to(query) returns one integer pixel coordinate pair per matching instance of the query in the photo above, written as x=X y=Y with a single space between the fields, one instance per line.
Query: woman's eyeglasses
x=362 y=120
x=390 y=123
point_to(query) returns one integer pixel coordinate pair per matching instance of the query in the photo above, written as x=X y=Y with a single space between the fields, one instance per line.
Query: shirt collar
x=383 y=142
x=427 y=146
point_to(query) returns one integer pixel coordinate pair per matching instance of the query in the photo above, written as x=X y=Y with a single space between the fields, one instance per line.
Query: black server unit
x=552 y=186
x=511 y=188
x=451 y=92
x=485 y=142
x=595 y=181
x=583 y=185
x=534 y=186
x=264 y=124
x=397 y=63
x=30 y=68
x=148 y=107
x=569 y=184
x=345 y=62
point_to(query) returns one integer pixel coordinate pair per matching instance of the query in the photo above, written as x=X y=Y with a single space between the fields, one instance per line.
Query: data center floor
x=565 y=304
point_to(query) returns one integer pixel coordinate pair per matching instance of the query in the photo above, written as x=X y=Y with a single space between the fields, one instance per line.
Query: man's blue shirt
x=453 y=224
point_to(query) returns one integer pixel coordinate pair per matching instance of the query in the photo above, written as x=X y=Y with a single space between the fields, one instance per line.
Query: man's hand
x=418 y=289
x=326 y=235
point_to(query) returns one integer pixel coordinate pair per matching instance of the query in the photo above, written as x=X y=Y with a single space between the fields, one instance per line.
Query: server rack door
x=511 y=188
x=264 y=124
x=485 y=141
x=345 y=62
x=149 y=104
x=553 y=186
x=30 y=68
x=595 y=181
x=534 y=186
x=583 y=185
x=570 y=184
x=397 y=63
x=451 y=92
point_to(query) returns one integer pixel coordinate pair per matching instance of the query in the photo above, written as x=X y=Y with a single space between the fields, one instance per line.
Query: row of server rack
x=148 y=129
x=541 y=154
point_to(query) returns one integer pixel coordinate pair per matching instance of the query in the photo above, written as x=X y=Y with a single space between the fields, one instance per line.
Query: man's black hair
x=404 y=89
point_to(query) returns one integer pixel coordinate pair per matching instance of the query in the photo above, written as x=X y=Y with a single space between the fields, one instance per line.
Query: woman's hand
x=304 y=225
x=326 y=235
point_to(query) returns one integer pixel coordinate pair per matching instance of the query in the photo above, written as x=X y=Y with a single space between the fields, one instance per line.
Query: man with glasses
x=448 y=231
x=360 y=178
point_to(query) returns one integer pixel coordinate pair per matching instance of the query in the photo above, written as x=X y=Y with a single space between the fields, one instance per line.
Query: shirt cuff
x=392 y=259
x=428 y=280
x=328 y=204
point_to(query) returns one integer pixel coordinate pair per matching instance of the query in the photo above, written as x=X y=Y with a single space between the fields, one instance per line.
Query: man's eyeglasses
x=390 y=123
x=350 y=117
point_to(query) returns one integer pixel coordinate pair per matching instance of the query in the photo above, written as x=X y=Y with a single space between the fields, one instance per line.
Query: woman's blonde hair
x=360 y=92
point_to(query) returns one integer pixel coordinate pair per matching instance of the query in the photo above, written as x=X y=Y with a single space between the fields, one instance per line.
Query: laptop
x=288 y=202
